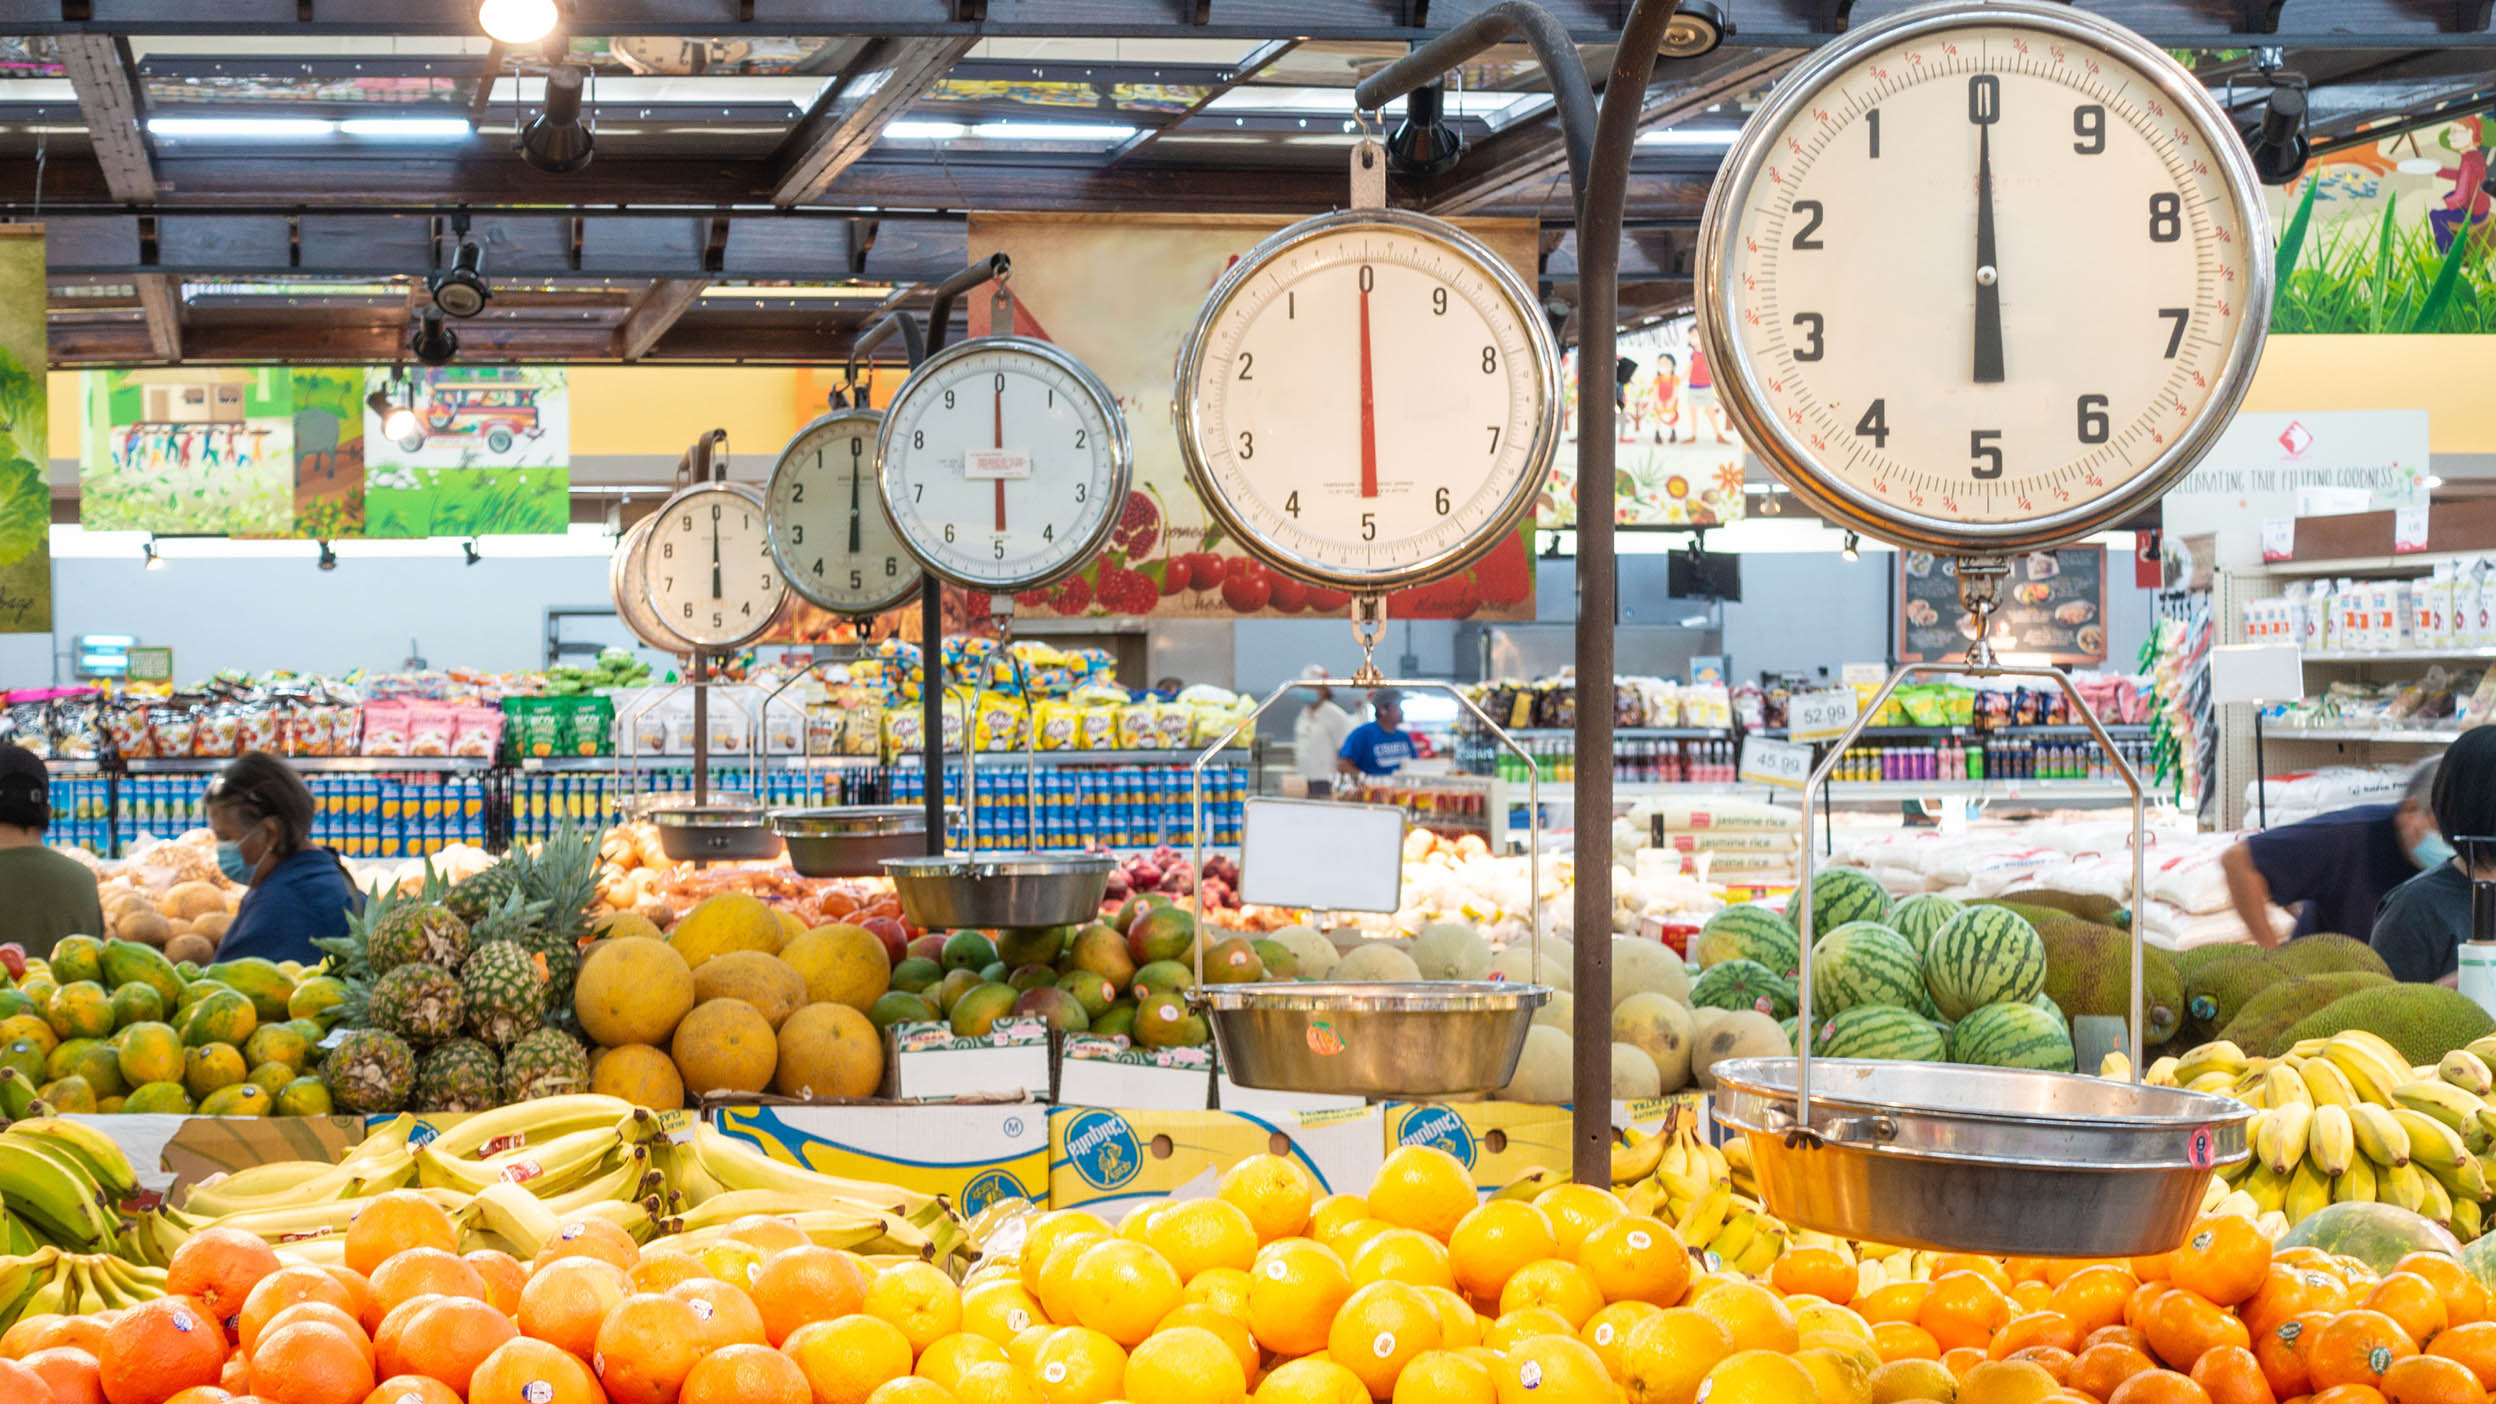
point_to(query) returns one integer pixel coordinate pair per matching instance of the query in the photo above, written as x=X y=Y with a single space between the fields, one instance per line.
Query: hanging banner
x=1120 y=295
x=491 y=453
x=1677 y=461
x=329 y=452
x=25 y=490
x=189 y=451
x=2390 y=236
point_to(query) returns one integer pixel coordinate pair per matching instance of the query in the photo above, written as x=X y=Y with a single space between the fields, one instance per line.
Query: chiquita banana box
x=1108 y=1160
x=1501 y=1143
x=973 y=1155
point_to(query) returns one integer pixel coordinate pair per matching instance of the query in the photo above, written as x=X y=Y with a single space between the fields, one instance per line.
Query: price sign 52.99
x=1817 y=716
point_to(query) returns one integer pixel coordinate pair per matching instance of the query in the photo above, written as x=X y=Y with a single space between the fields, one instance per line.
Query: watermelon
x=1862 y=962
x=1918 y=917
x=2380 y=1235
x=1880 y=1031
x=2009 y=1035
x=1984 y=955
x=1744 y=984
x=1841 y=895
x=1749 y=932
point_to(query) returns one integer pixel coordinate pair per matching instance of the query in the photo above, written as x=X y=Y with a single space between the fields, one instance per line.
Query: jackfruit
x=2018 y=904
x=2328 y=953
x=2256 y=1027
x=2217 y=991
x=2088 y=906
x=2424 y=1022
x=2188 y=962
x=2088 y=970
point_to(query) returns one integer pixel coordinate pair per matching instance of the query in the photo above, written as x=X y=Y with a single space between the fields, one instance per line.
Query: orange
x=1078 y=1365
x=158 y=1348
x=846 y=1357
x=2158 y=1387
x=2355 y=1347
x=2098 y=1369
x=727 y=1315
x=565 y=1301
x=1125 y=1288
x=394 y=1222
x=646 y=1347
x=731 y=1262
x=1963 y=1309
x=1273 y=1192
x=525 y=1371
x=1516 y=1326
x=20 y=1337
x=419 y=1271
x=1899 y=1301
x=909 y=1389
x=995 y=1384
x=1751 y=1377
x=309 y=1363
x=412 y=1389
x=944 y=1361
x=1490 y=1243
x=1057 y=1289
x=387 y=1359
x=1904 y=1340
x=1379 y=1328
x=1223 y=1289
x=2428 y=1379
x=1188 y=1363
x=2006 y=1382
x=2225 y=1259
x=2347 y=1394
x=1233 y=1333
x=1408 y=1256
x=1332 y=1214
x=1640 y=1260
x=1607 y=1331
x=357 y=1286
x=2281 y=1352
x=1458 y=1325
x=999 y=1309
x=2474 y=1345
x=2183 y=1323
x=283 y=1288
x=2230 y=1375
x=1560 y=1370
x=2036 y=1328
x=806 y=1285
x=591 y=1238
x=24 y=1386
x=1445 y=1377
x=2093 y=1296
x=503 y=1276
x=919 y=1298
x=1422 y=1187
x=321 y=1312
x=1576 y=1211
x=1818 y=1272
x=1311 y=1380
x=2466 y=1299
x=1048 y=1230
x=217 y=1268
x=1563 y=1287
x=664 y=1268
x=746 y=1373
x=2412 y=1301
x=766 y=1233
x=1293 y=1292
x=1668 y=1355
x=1197 y=1234
x=1753 y=1317
x=72 y=1374
x=1962 y=1360
x=449 y=1338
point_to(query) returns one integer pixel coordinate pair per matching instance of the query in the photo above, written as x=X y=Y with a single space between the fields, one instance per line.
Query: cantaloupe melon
x=213 y=925
x=1633 y=1074
x=190 y=899
x=841 y=964
x=145 y=927
x=724 y=1046
x=633 y=992
x=1560 y=1011
x=1642 y=966
x=1315 y=954
x=1542 y=1074
x=1659 y=1027
x=829 y=1050
x=638 y=1073
x=1517 y=963
x=1451 y=950
x=730 y=921
x=767 y=982
x=195 y=948
x=615 y=926
x=1377 y=961
x=1745 y=1033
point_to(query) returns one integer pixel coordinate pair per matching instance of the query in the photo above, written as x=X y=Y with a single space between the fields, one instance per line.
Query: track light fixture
x=1424 y=144
x=1695 y=29
x=148 y=554
x=1853 y=549
x=468 y=548
x=516 y=22
x=461 y=289
x=329 y=556
x=395 y=406
x=2277 y=140
x=557 y=141
x=432 y=341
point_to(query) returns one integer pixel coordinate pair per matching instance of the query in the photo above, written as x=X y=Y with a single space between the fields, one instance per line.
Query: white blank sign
x=2256 y=673
x=1322 y=855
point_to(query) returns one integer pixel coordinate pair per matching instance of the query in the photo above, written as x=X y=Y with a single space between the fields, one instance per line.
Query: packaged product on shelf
x=476 y=731
x=1002 y=721
x=1720 y=812
x=1139 y=726
x=729 y=731
x=904 y=730
x=784 y=726
x=385 y=731
x=1704 y=704
x=430 y=729
x=1094 y=666
x=1057 y=725
x=1097 y=724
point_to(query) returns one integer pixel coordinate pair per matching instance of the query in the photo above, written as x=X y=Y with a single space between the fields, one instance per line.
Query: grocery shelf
x=911 y=758
x=1627 y=733
x=2273 y=735
x=2068 y=790
x=2392 y=655
x=323 y=765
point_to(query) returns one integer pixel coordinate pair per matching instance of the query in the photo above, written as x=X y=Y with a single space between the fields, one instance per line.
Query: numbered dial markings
x=708 y=570
x=1004 y=463
x=1989 y=276
x=828 y=528
x=1370 y=400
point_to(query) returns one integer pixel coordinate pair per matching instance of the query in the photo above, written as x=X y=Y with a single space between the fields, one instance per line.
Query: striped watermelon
x=1880 y=1031
x=1841 y=895
x=1863 y=962
x=2012 y=1035
x=1749 y=932
x=1918 y=917
x=1984 y=955
x=1744 y=984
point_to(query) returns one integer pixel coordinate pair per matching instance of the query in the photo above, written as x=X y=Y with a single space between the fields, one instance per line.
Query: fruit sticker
x=2202 y=1150
x=1323 y=1040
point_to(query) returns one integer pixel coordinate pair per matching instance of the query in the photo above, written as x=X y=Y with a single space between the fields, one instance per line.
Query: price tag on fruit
x=1817 y=716
x=1785 y=764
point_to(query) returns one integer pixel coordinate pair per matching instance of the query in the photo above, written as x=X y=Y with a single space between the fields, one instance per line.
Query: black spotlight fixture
x=461 y=290
x=1853 y=550
x=329 y=556
x=147 y=554
x=1423 y=144
x=432 y=341
x=2277 y=140
x=1695 y=29
x=468 y=548
x=556 y=140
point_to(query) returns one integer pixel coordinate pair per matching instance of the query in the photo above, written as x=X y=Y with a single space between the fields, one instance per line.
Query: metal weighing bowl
x=1982 y=1160
x=1000 y=889
x=1432 y=1038
x=720 y=832
x=850 y=840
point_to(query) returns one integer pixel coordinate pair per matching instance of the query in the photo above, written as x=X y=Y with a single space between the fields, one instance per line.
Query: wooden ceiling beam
x=160 y=296
x=100 y=74
x=851 y=118
x=657 y=310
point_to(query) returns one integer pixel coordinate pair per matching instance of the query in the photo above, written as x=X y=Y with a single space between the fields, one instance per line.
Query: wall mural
x=1677 y=460
x=2391 y=236
x=25 y=437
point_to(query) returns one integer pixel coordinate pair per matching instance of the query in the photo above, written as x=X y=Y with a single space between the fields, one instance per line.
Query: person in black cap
x=1380 y=746
x=44 y=895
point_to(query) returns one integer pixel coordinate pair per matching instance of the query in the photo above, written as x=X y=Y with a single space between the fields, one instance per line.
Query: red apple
x=13 y=958
x=896 y=941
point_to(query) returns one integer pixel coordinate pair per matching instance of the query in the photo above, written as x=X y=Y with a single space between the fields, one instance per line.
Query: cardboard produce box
x=931 y=1063
x=1110 y=1072
x=1500 y=1143
x=1110 y=1159
x=973 y=1154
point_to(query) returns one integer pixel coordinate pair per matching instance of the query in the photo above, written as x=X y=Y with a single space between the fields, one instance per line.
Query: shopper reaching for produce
x=2338 y=865
x=1380 y=746
x=261 y=812
x=2422 y=923
x=47 y=895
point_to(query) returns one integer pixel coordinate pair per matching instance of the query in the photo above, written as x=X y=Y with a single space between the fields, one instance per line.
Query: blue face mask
x=2431 y=852
x=230 y=861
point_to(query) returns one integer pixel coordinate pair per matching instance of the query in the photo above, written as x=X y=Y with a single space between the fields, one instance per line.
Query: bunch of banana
x=63 y=1183
x=2346 y=1118
x=49 y=1281
x=1692 y=1186
x=713 y=1179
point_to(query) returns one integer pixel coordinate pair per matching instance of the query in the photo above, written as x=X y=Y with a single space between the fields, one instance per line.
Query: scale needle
x=854 y=445
x=718 y=592
x=1369 y=410
x=1000 y=447
x=1988 y=270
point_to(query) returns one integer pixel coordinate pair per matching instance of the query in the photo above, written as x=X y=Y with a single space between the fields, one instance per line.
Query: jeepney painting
x=490 y=453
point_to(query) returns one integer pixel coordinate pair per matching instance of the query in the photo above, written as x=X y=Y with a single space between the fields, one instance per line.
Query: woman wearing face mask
x=262 y=815
x=2422 y=923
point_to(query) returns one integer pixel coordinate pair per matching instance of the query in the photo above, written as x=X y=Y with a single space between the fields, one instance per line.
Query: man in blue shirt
x=1381 y=746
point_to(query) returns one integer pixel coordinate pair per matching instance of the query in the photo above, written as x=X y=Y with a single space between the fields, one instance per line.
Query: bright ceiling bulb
x=517 y=21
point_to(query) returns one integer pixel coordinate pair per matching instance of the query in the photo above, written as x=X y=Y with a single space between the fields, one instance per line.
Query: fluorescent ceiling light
x=1690 y=136
x=258 y=128
x=1106 y=133
x=925 y=131
x=407 y=128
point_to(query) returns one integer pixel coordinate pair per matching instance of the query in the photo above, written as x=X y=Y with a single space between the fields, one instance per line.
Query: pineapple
x=547 y=1063
x=369 y=1071
x=461 y=1075
x=563 y=876
x=424 y=931
x=476 y=896
x=504 y=985
x=418 y=1001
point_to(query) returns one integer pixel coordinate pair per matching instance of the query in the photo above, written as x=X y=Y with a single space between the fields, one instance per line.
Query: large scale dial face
x=1981 y=278
x=1004 y=463
x=707 y=567
x=1369 y=399
x=826 y=519
x=632 y=599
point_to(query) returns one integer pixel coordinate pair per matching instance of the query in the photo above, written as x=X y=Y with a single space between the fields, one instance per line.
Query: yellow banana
x=2308 y=1190
x=2379 y=1134
x=2330 y=1140
x=1736 y=1238
x=2431 y=1141
x=2216 y=1056
x=2441 y=1100
x=103 y=1159
x=2221 y=1083
x=2373 y=1075
x=2264 y=1188
x=2162 y=1072
x=513 y=1212
x=2355 y=1185
x=2439 y=1202
x=2284 y=1131
x=2466 y=1180
x=739 y=1165
x=1633 y=1161
x=2115 y=1066
x=1764 y=1250
x=53 y=1192
x=2403 y=1184
x=2281 y=1086
x=2325 y=1082
x=2469 y=1220
x=1706 y=1218
x=2467 y=1071
x=555 y=1163
x=534 y=1124
x=2380 y=1046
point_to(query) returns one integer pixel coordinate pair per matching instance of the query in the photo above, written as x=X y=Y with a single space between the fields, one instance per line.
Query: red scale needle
x=1369 y=410
x=1000 y=446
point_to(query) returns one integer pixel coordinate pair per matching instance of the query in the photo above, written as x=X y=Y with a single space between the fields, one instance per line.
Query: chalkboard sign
x=2054 y=607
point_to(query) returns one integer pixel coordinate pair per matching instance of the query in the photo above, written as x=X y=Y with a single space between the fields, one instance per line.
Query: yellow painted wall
x=2447 y=376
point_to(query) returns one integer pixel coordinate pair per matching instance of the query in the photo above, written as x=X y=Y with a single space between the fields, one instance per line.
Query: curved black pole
x=884 y=329
x=1553 y=49
x=940 y=313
